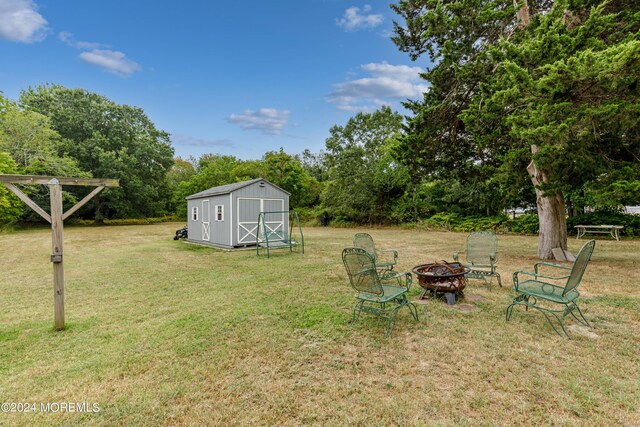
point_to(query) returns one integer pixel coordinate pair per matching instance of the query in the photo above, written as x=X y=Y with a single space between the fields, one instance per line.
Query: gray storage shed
x=227 y=216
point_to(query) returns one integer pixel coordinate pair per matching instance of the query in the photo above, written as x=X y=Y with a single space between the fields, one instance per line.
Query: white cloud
x=179 y=139
x=101 y=55
x=354 y=20
x=68 y=38
x=386 y=83
x=112 y=61
x=20 y=21
x=267 y=120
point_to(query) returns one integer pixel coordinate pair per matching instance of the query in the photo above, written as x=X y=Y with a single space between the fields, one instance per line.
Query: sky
x=230 y=77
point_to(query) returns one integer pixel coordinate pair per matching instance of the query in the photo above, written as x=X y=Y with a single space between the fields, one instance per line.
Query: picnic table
x=599 y=229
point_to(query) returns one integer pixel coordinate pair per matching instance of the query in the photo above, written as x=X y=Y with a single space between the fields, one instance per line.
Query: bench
x=599 y=229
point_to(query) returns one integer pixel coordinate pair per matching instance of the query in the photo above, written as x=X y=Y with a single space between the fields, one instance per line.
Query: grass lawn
x=166 y=333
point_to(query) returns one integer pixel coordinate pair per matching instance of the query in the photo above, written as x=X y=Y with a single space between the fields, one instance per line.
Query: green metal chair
x=378 y=294
x=385 y=263
x=481 y=256
x=533 y=293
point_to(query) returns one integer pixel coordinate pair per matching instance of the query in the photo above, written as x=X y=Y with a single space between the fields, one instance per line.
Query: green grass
x=166 y=333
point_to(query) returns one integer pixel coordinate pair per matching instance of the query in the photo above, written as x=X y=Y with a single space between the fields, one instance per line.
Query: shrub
x=525 y=224
x=128 y=221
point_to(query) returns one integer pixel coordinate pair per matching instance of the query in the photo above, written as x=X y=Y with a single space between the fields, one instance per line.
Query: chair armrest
x=529 y=273
x=493 y=256
x=408 y=280
x=398 y=277
x=392 y=251
x=549 y=264
x=516 y=278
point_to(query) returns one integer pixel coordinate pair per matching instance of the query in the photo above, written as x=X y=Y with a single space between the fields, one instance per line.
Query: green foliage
x=10 y=205
x=454 y=34
x=566 y=83
x=128 y=221
x=181 y=171
x=28 y=138
x=365 y=180
x=631 y=223
x=213 y=170
x=110 y=141
x=315 y=165
x=525 y=224
x=618 y=188
x=278 y=167
x=454 y=222
x=314 y=216
x=286 y=172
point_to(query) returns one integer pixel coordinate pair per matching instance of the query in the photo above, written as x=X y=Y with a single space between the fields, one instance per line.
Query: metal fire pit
x=442 y=279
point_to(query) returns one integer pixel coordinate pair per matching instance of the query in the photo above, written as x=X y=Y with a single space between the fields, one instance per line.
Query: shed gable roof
x=226 y=189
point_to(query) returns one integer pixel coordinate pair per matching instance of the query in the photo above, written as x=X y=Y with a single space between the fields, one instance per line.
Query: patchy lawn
x=166 y=333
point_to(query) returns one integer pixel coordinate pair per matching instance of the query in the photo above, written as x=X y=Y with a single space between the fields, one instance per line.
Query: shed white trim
x=248 y=230
x=231 y=219
x=206 y=220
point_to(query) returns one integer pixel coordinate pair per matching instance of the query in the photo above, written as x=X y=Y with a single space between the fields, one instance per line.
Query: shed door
x=275 y=226
x=206 y=221
x=248 y=211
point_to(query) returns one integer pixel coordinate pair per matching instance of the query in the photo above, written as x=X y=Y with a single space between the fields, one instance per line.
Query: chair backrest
x=480 y=245
x=365 y=241
x=579 y=266
x=361 y=270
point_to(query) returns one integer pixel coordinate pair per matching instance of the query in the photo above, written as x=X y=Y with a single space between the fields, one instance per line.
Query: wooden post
x=57 y=253
x=56 y=219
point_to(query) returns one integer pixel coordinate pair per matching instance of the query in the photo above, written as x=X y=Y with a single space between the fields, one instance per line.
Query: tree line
x=531 y=103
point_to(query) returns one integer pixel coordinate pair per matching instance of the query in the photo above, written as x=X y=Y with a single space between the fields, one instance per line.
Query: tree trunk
x=551 y=213
x=523 y=15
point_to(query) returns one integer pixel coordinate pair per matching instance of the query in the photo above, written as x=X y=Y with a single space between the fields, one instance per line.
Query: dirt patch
x=583 y=330
x=464 y=308
x=473 y=297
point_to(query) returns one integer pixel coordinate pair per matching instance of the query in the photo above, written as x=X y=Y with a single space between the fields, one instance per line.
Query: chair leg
x=490 y=284
x=509 y=310
x=414 y=310
x=584 y=320
x=403 y=301
x=559 y=319
x=357 y=309
x=520 y=299
x=391 y=322
x=499 y=280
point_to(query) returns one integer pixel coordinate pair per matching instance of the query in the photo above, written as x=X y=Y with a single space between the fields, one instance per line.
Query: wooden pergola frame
x=56 y=219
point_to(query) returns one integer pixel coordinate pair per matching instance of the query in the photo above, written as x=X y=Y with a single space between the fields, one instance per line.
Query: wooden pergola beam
x=82 y=202
x=28 y=201
x=56 y=220
x=45 y=180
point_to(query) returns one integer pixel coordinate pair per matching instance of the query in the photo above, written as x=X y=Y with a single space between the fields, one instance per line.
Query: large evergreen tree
x=550 y=97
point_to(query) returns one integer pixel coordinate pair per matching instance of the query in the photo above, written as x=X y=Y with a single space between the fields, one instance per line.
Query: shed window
x=194 y=213
x=219 y=213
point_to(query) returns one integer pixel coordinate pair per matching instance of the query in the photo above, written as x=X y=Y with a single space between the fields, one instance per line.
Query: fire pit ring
x=442 y=279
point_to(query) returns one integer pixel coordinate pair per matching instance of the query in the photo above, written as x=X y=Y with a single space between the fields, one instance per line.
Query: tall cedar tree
x=548 y=97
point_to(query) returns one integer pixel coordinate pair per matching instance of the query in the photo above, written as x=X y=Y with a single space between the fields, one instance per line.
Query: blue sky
x=228 y=77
